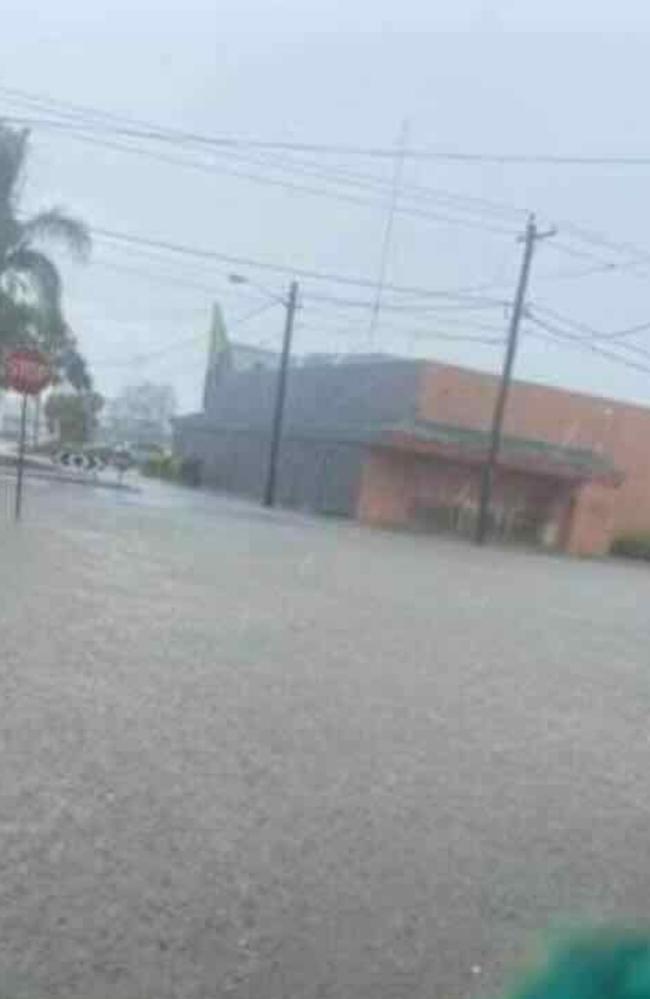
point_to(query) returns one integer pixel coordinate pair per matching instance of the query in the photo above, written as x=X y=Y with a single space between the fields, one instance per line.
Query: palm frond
x=56 y=225
x=17 y=321
x=75 y=369
x=45 y=284
x=30 y=285
x=13 y=151
x=41 y=273
x=12 y=159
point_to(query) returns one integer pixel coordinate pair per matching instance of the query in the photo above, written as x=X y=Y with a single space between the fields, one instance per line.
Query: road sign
x=122 y=460
x=80 y=461
x=27 y=371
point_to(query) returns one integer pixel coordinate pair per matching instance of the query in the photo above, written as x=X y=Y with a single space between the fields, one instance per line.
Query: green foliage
x=163 y=466
x=596 y=965
x=73 y=416
x=173 y=469
x=30 y=285
x=76 y=370
x=636 y=545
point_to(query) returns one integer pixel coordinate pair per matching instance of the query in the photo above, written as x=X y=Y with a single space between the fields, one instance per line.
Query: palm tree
x=30 y=283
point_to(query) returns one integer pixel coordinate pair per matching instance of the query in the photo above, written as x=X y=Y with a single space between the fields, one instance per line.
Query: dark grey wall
x=318 y=475
x=313 y=473
x=330 y=410
x=323 y=395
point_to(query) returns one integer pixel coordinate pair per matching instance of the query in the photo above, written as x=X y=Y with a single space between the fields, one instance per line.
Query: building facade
x=398 y=442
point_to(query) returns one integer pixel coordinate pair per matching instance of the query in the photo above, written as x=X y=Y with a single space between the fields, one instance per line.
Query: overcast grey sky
x=504 y=76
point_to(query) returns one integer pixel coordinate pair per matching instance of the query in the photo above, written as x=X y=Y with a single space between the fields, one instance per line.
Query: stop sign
x=27 y=371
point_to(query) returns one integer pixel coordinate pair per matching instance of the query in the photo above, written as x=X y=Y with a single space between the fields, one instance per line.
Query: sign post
x=26 y=371
x=21 y=458
x=122 y=461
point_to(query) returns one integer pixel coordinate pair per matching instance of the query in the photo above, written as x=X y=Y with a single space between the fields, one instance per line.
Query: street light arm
x=272 y=295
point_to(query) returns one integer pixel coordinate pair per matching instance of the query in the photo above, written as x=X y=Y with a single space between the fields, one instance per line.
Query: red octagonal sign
x=27 y=371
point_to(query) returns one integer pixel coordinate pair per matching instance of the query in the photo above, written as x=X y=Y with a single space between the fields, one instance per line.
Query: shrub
x=163 y=466
x=167 y=466
x=635 y=545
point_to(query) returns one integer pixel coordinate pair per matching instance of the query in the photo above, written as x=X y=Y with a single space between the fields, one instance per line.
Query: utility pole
x=530 y=238
x=280 y=396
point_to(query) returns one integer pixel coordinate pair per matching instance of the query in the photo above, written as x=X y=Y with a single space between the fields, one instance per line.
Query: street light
x=242 y=279
x=290 y=304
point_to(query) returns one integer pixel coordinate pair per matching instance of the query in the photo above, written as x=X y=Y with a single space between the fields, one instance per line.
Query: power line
x=588 y=333
x=79 y=114
x=341 y=149
x=427 y=215
x=203 y=254
x=152 y=276
x=581 y=343
x=584 y=272
x=327 y=314
x=571 y=251
x=629 y=331
x=338 y=303
x=216 y=168
x=345 y=304
x=465 y=204
x=598 y=239
x=446 y=306
x=67 y=109
x=591 y=237
x=428 y=334
x=178 y=344
x=418 y=192
x=460 y=299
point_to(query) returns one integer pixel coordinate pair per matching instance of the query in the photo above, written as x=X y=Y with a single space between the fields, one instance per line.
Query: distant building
x=247 y=357
x=308 y=360
x=225 y=356
x=401 y=442
x=10 y=410
x=9 y=415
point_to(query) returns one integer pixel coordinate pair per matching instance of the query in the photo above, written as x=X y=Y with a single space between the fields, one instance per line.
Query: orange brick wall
x=384 y=495
x=589 y=528
x=457 y=395
x=397 y=487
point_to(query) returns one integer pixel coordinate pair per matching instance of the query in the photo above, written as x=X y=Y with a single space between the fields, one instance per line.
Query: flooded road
x=259 y=755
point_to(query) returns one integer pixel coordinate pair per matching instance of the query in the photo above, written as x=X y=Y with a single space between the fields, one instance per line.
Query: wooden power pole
x=530 y=238
x=280 y=397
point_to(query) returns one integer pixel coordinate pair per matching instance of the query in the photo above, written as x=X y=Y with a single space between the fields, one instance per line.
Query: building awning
x=470 y=446
x=446 y=441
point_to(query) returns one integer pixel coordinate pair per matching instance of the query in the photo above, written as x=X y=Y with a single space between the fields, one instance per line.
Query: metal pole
x=280 y=397
x=21 y=458
x=487 y=478
x=37 y=421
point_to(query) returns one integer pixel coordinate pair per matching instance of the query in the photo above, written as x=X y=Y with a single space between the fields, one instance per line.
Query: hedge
x=173 y=469
x=162 y=466
x=635 y=545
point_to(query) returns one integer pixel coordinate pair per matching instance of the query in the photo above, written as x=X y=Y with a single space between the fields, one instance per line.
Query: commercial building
x=399 y=442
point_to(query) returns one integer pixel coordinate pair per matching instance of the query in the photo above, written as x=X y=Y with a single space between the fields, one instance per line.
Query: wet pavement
x=265 y=756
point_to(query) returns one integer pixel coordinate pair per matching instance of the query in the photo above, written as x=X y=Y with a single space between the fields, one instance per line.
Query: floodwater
x=262 y=755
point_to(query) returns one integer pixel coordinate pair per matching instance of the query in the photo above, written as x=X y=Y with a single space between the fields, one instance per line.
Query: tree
x=30 y=284
x=73 y=416
x=142 y=413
